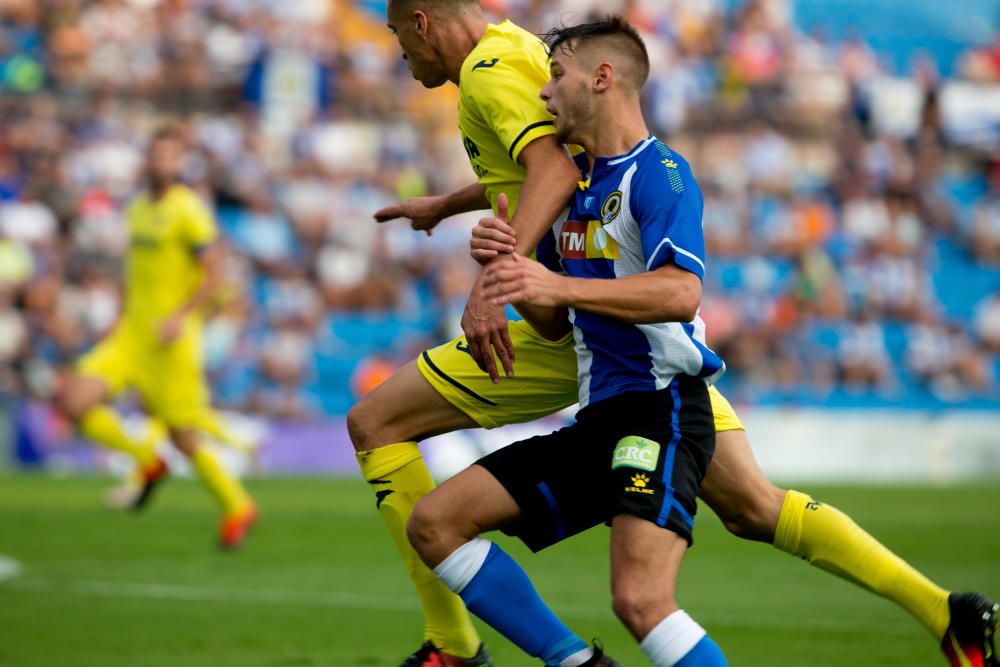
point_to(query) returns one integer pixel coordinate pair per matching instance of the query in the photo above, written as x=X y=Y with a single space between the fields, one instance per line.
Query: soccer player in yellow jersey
x=500 y=70
x=171 y=269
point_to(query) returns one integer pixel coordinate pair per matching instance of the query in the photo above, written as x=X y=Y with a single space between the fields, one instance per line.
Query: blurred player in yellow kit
x=172 y=269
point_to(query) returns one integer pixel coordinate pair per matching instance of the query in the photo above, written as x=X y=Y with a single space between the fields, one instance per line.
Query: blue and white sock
x=677 y=641
x=497 y=590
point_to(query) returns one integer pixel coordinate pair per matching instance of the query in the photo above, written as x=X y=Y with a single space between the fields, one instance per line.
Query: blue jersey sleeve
x=547 y=254
x=666 y=202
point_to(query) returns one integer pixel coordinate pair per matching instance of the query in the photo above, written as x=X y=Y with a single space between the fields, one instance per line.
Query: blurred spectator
x=862 y=355
x=943 y=357
x=987 y=322
x=984 y=235
x=983 y=64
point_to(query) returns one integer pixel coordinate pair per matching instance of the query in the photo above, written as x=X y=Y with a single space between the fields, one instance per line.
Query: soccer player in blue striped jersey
x=509 y=137
x=631 y=254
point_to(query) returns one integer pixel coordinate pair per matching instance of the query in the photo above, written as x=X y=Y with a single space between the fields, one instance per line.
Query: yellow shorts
x=544 y=381
x=168 y=377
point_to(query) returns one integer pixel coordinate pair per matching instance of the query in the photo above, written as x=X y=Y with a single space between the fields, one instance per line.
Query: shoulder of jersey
x=504 y=48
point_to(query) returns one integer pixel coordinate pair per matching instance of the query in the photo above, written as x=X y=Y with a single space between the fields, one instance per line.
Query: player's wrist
x=564 y=291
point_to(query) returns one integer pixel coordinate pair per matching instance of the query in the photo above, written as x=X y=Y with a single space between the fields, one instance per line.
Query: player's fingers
x=495 y=225
x=488 y=244
x=389 y=213
x=502 y=207
x=510 y=296
x=482 y=256
x=491 y=279
x=502 y=289
x=486 y=234
x=508 y=345
x=488 y=364
x=502 y=353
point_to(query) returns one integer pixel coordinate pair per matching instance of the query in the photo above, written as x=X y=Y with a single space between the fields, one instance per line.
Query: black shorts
x=642 y=453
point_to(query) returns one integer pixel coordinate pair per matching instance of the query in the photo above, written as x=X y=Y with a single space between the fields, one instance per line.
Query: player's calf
x=739 y=493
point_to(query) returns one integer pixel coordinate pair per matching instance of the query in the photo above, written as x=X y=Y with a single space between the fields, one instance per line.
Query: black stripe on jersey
x=455 y=382
x=524 y=132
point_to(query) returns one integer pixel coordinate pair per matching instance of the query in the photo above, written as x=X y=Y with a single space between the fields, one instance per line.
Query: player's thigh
x=173 y=386
x=99 y=374
x=736 y=489
x=466 y=505
x=544 y=382
x=405 y=407
x=559 y=482
x=645 y=560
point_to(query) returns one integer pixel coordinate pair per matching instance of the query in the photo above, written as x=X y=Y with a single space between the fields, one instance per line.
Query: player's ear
x=604 y=76
x=421 y=23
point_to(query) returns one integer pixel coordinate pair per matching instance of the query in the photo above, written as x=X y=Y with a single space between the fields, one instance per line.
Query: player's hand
x=171 y=329
x=424 y=213
x=485 y=328
x=492 y=236
x=514 y=279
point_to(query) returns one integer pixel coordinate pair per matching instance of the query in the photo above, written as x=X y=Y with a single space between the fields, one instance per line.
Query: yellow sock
x=103 y=425
x=211 y=423
x=830 y=540
x=399 y=477
x=224 y=486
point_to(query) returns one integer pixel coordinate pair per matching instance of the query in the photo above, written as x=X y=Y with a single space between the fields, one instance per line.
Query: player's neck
x=158 y=191
x=462 y=36
x=616 y=132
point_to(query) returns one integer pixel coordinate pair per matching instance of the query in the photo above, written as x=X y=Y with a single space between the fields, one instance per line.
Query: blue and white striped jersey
x=636 y=213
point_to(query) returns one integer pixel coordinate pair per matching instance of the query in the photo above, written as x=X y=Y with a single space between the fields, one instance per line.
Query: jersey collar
x=603 y=162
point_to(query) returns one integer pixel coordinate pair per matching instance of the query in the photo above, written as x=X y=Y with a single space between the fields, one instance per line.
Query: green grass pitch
x=318 y=582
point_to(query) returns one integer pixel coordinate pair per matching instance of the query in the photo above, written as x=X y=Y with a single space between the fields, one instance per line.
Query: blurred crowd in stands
x=854 y=246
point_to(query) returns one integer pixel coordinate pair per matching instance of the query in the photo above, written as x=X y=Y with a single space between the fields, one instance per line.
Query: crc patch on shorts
x=634 y=451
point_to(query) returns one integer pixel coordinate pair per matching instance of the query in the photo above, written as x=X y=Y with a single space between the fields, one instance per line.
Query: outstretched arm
x=425 y=213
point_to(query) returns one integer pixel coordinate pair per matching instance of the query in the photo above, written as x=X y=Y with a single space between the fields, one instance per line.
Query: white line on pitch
x=341 y=600
x=9 y=568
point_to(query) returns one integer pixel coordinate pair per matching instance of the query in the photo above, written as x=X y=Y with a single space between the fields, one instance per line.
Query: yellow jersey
x=499 y=110
x=162 y=270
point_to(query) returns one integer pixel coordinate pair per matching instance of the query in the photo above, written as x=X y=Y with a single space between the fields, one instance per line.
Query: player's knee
x=756 y=516
x=186 y=441
x=640 y=607
x=74 y=403
x=361 y=424
x=426 y=529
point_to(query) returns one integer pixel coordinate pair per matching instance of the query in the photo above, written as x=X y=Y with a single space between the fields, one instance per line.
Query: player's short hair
x=168 y=131
x=613 y=33
x=438 y=7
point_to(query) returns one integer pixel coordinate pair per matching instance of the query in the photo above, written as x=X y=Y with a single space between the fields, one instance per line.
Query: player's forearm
x=470 y=198
x=211 y=263
x=552 y=323
x=550 y=181
x=641 y=299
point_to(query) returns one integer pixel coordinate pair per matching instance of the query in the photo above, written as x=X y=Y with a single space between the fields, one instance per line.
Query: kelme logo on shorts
x=635 y=452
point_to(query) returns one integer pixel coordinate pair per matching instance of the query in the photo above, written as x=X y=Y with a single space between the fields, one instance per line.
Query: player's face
x=567 y=95
x=166 y=157
x=411 y=32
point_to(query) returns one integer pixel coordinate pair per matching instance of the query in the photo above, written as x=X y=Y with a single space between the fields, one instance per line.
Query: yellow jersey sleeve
x=499 y=108
x=506 y=97
x=198 y=226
